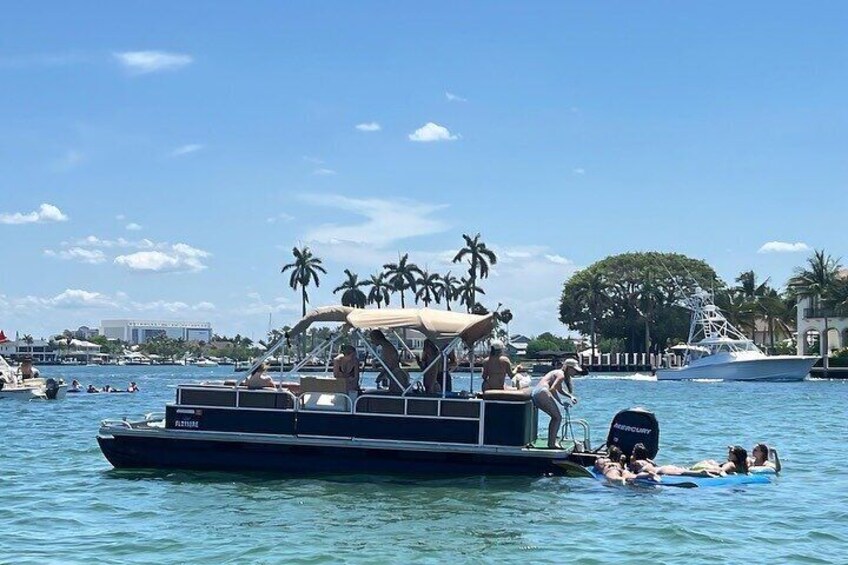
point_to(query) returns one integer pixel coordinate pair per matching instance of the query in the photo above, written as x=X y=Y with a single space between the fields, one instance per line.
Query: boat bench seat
x=322 y=384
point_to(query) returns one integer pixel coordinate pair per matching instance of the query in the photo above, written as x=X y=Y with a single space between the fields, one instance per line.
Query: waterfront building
x=83 y=333
x=813 y=320
x=517 y=345
x=139 y=331
x=41 y=350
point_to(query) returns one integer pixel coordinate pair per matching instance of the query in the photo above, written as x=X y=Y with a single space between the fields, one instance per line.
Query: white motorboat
x=717 y=350
x=205 y=363
x=14 y=387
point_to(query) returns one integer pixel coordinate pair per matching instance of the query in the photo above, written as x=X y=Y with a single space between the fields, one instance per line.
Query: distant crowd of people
x=619 y=468
x=91 y=389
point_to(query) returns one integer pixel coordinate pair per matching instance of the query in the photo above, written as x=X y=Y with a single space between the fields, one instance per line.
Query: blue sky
x=182 y=149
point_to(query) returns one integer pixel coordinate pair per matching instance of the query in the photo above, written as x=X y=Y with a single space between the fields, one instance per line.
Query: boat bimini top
x=447 y=330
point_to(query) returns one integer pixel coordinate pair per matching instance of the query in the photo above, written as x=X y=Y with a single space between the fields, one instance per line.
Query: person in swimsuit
x=434 y=376
x=346 y=367
x=258 y=379
x=546 y=396
x=737 y=462
x=496 y=368
x=26 y=370
x=389 y=355
x=761 y=458
x=640 y=462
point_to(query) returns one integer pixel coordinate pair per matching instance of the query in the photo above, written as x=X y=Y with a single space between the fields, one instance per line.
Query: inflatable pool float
x=683 y=481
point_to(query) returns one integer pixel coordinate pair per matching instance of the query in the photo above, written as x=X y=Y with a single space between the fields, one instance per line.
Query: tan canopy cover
x=438 y=325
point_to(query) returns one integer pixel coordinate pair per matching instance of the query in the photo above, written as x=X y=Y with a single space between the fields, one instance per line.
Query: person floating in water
x=737 y=462
x=75 y=386
x=133 y=387
x=640 y=462
x=761 y=458
x=92 y=389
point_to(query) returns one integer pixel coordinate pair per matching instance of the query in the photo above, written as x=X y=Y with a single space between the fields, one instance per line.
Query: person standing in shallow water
x=496 y=368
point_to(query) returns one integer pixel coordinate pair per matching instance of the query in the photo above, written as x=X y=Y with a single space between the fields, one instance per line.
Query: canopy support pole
x=471 y=367
x=403 y=343
x=378 y=358
x=316 y=351
x=448 y=348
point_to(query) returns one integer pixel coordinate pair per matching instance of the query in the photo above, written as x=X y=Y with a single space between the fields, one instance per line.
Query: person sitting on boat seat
x=546 y=396
x=258 y=378
x=26 y=370
x=435 y=377
x=640 y=462
x=762 y=456
x=737 y=462
x=496 y=368
x=346 y=367
x=520 y=379
x=389 y=355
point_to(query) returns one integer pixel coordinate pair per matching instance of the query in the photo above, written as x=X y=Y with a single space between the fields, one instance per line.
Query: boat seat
x=322 y=384
x=325 y=402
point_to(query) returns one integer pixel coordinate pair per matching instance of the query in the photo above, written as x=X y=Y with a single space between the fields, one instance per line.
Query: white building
x=40 y=350
x=139 y=331
x=811 y=326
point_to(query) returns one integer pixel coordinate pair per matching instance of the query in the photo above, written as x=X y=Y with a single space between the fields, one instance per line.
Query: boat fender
x=51 y=388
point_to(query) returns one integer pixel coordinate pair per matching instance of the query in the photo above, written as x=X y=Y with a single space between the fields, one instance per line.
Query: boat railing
x=420 y=406
x=115 y=424
x=568 y=430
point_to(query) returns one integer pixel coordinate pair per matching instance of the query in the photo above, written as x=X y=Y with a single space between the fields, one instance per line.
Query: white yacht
x=717 y=350
x=202 y=362
x=13 y=387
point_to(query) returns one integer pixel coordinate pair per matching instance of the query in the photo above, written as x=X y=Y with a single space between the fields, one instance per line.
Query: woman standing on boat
x=546 y=395
x=496 y=368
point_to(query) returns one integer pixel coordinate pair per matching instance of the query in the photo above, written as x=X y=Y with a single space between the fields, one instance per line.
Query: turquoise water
x=60 y=501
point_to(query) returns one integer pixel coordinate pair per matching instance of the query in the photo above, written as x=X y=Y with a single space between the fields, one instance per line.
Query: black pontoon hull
x=214 y=455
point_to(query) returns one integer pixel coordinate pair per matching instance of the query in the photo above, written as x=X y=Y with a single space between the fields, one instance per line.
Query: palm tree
x=380 y=290
x=468 y=292
x=752 y=296
x=304 y=271
x=479 y=257
x=428 y=288
x=448 y=288
x=816 y=283
x=350 y=289
x=401 y=276
x=592 y=294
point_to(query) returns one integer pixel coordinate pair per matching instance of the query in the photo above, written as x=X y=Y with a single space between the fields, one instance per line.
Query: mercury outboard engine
x=633 y=426
x=51 y=389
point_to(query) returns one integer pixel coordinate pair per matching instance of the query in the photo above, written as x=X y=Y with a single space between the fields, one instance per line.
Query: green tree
x=449 y=289
x=427 y=288
x=304 y=271
x=351 y=290
x=380 y=290
x=589 y=295
x=479 y=258
x=468 y=290
x=402 y=276
x=817 y=282
x=642 y=297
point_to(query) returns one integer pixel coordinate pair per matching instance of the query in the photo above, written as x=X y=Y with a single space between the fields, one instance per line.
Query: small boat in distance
x=14 y=387
x=717 y=350
x=202 y=362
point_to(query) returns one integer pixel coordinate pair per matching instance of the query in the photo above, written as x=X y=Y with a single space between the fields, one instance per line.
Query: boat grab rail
x=115 y=424
x=567 y=430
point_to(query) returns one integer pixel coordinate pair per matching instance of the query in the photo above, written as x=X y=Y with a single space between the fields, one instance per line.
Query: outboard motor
x=633 y=426
x=51 y=389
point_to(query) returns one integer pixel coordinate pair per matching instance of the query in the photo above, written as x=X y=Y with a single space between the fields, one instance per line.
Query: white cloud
x=71 y=159
x=432 y=132
x=77 y=298
x=579 y=171
x=281 y=217
x=186 y=149
x=324 y=172
x=143 y=62
x=783 y=247
x=258 y=305
x=369 y=126
x=173 y=307
x=179 y=257
x=559 y=259
x=385 y=221
x=132 y=226
x=89 y=256
x=454 y=98
x=45 y=213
